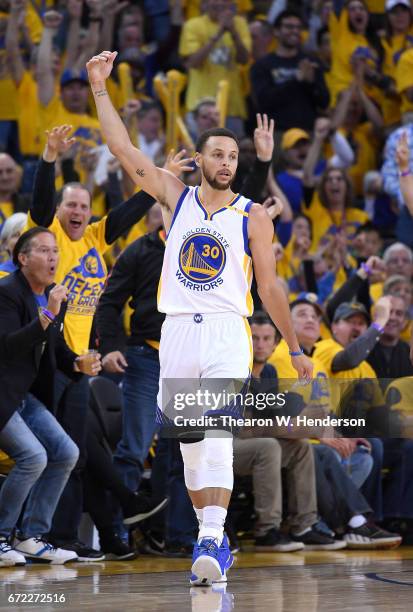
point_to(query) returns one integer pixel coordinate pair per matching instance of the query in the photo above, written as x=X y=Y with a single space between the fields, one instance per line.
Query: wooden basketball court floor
x=342 y=581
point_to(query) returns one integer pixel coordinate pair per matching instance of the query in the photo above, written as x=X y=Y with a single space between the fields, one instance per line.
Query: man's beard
x=215 y=184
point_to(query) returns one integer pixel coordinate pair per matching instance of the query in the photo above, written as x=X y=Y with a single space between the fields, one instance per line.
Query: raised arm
x=74 y=10
x=43 y=207
x=44 y=71
x=159 y=183
x=260 y=234
x=406 y=177
x=14 y=56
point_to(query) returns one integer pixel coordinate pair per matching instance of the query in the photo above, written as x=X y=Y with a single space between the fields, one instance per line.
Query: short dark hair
x=23 y=244
x=260 y=317
x=147 y=106
x=204 y=137
x=286 y=15
x=368 y=227
x=75 y=185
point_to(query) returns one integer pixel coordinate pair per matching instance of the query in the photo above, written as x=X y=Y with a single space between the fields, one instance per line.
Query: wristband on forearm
x=364 y=266
x=48 y=315
x=379 y=328
x=404 y=173
x=296 y=353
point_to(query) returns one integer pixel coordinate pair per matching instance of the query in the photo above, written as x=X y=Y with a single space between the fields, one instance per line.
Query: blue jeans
x=44 y=457
x=358 y=466
x=372 y=488
x=139 y=389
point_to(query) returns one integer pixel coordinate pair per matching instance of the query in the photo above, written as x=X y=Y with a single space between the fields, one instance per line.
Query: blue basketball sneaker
x=210 y=562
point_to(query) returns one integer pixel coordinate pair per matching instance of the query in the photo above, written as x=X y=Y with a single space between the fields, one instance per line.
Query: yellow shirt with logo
x=220 y=64
x=325 y=351
x=82 y=269
x=316 y=393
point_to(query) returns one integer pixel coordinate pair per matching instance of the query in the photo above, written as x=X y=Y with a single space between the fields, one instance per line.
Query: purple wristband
x=405 y=173
x=296 y=353
x=49 y=315
x=366 y=268
x=378 y=327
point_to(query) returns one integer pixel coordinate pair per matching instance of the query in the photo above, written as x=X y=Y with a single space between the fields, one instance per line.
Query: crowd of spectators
x=335 y=175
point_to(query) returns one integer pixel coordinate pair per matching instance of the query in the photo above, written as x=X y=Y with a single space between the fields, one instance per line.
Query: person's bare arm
x=158 y=182
x=260 y=234
x=14 y=56
x=44 y=71
x=74 y=9
x=406 y=177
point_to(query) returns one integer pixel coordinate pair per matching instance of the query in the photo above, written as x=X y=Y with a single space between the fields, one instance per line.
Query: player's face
x=74 y=212
x=40 y=262
x=263 y=341
x=218 y=161
x=306 y=323
x=347 y=330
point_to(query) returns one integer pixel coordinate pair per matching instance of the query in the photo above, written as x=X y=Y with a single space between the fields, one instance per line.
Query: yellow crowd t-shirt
x=220 y=64
x=82 y=269
x=325 y=351
x=316 y=393
x=325 y=223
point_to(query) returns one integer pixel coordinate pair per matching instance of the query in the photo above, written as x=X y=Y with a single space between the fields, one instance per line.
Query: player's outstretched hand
x=304 y=367
x=177 y=163
x=100 y=66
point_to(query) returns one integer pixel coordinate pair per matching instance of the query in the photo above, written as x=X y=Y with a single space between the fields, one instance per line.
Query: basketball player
x=214 y=239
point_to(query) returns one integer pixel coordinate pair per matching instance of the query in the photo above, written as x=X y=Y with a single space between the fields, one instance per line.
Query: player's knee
x=193 y=454
x=219 y=453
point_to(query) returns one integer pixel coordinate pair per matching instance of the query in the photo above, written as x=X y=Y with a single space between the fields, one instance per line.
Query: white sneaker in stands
x=38 y=549
x=8 y=556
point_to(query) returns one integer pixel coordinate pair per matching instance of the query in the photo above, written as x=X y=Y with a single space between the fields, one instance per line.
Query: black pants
x=72 y=399
x=338 y=498
x=102 y=481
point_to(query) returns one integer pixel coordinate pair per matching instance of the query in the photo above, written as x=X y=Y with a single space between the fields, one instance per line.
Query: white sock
x=357 y=521
x=213 y=523
x=199 y=515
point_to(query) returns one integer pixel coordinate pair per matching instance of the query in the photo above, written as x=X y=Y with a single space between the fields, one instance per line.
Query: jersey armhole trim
x=245 y=228
x=177 y=209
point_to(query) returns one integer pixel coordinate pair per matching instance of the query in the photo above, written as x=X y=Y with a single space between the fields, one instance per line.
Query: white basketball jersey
x=207 y=265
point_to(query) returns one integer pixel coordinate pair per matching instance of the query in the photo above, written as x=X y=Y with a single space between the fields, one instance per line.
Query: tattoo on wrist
x=100 y=92
x=140 y=172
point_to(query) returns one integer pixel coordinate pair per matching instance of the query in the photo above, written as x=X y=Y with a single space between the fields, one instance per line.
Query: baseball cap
x=292 y=136
x=348 y=309
x=307 y=298
x=390 y=4
x=68 y=76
